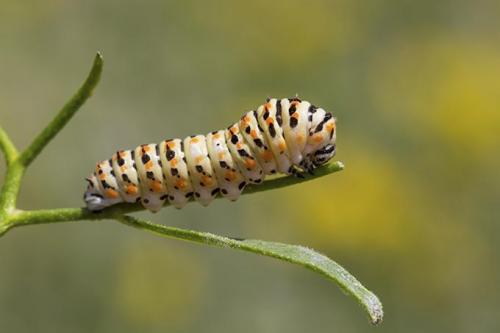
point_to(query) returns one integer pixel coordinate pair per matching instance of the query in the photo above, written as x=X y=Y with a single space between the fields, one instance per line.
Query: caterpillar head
x=323 y=155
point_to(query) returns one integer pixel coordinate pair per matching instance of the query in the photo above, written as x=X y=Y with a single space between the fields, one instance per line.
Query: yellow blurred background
x=415 y=214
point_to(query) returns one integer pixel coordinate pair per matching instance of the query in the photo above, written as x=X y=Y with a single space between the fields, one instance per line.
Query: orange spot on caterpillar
x=267 y=156
x=253 y=134
x=234 y=129
x=216 y=135
x=171 y=144
x=231 y=175
x=198 y=159
x=282 y=146
x=180 y=183
x=330 y=127
x=149 y=165
x=300 y=138
x=221 y=155
x=156 y=186
x=207 y=180
x=239 y=145
x=123 y=168
x=173 y=162
x=131 y=189
x=269 y=120
x=267 y=106
x=246 y=119
x=110 y=193
x=318 y=138
x=146 y=148
x=195 y=140
x=295 y=115
x=250 y=163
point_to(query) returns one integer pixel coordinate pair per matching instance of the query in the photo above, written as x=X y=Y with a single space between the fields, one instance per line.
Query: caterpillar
x=287 y=136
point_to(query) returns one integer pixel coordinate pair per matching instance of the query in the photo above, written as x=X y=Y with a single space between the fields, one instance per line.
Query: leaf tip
x=375 y=310
x=98 y=55
x=98 y=61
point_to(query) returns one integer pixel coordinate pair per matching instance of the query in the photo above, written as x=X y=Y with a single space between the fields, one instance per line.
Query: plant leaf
x=296 y=254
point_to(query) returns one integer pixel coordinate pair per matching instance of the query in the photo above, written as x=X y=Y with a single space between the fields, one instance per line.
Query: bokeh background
x=415 y=214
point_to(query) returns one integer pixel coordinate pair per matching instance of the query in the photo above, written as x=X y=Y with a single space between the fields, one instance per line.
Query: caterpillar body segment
x=106 y=183
x=270 y=119
x=227 y=172
x=123 y=163
x=203 y=180
x=295 y=129
x=287 y=136
x=151 y=183
x=255 y=139
x=243 y=156
x=175 y=172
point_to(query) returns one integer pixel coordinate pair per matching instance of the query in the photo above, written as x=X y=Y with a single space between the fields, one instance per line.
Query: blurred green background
x=415 y=215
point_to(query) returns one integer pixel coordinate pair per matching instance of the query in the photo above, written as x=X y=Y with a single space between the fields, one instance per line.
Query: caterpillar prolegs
x=287 y=136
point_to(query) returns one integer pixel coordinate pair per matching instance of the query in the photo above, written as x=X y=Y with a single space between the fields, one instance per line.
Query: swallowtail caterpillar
x=287 y=136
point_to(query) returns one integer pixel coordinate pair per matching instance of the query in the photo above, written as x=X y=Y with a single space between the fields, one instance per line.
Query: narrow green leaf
x=292 y=253
x=65 y=114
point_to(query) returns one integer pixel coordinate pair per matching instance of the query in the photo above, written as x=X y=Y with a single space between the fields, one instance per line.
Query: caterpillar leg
x=307 y=165
x=296 y=172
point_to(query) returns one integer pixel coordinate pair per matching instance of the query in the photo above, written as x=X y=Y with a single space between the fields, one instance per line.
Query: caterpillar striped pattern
x=287 y=136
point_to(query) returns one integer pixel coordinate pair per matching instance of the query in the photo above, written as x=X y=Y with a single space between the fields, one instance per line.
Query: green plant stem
x=12 y=181
x=65 y=114
x=44 y=216
x=10 y=189
x=7 y=147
